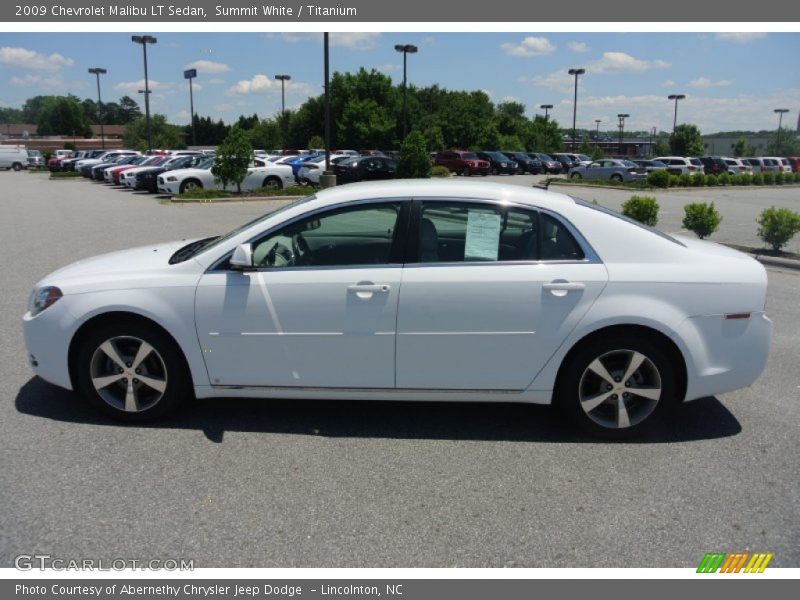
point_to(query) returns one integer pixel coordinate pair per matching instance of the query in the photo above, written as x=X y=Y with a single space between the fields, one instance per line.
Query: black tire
x=190 y=184
x=466 y=172
x=568 y=390
x=576 y=176
x=273 y=182
x=616 y=177
x=495 y=171
x=176 y=373
x=16 y=167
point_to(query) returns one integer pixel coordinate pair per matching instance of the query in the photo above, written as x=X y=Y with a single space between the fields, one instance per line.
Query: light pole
x=144 y=40
x=191 y=74
x=780 y=112
x=283 y=79
x=675 y=97
x=546 y=107
x=406 y=49
x=576 y=73
x=597 y=130
x=652 y=140
x=622 y=117
x=327 y=179
x=100 y=71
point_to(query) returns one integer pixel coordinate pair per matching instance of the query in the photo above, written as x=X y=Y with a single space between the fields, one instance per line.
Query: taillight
x=692 y=168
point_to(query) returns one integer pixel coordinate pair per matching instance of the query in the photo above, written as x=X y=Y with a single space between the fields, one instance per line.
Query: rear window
x=469 y=156
x=695 y=161
x=617 y=215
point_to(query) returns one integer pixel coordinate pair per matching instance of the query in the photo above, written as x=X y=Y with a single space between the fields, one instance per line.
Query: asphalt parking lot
x=243 y=483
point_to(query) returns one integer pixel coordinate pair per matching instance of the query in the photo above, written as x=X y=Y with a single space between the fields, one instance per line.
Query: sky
x=732 y=80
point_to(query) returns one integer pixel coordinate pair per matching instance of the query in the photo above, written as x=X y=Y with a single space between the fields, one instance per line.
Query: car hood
x=114 y=266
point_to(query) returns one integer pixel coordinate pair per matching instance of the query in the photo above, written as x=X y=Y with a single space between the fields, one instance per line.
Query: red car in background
x=462 y=162
x=795 y=162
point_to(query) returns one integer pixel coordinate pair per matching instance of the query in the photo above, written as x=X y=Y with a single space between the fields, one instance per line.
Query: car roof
x=429 y=188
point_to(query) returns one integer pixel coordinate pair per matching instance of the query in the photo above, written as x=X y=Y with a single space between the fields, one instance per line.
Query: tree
x=661 y=147
x=164 y=134
x=783 y=143
x=316 y=141
x=233 y=158
x=129 y=110
x=742 y=148
x=267 y=135
x=414 y=161
x=543 y=135
x=63 y=115
x=686 y=141
x=366 y=124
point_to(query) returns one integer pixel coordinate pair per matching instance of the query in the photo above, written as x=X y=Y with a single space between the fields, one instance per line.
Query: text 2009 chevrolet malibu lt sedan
x=415 y=290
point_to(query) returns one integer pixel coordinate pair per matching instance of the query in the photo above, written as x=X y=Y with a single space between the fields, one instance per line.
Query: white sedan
x=415 y=290
x=201 y=177
x=309 y=171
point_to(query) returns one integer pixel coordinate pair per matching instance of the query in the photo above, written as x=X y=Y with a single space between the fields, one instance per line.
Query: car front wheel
x=190 y=185
x=132 y=371
x=618 y=386
x=576 y=176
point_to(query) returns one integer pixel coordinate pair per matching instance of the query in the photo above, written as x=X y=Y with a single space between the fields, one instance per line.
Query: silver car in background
x=610 y=169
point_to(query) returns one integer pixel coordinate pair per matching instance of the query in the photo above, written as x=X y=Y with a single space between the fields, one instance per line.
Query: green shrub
x=414 y=161
x=769 y=178
x=757 y=179
x=641 y=208
x=201 y=194
x=778 y=226
x=711 y=180
x=797 y=177
x=674 y=180
x=702 y=218
x=64 y=174
x=686 y=179
x=658 y=179
x=779 y=178
x=724 y=179
x=291 y=190
x=698 y=180
x=440 y=171
x=743 y=179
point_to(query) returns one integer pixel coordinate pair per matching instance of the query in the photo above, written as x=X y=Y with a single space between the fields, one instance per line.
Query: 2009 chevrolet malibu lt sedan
x=415 y=290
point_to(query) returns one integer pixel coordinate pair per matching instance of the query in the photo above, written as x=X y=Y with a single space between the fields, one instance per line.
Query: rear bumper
x=726 y=354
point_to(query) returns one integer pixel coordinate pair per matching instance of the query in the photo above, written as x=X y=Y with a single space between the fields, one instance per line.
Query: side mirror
x=242 y=259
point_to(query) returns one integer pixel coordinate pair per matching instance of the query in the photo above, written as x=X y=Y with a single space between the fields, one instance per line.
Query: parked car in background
x=795 y=162
x=35 y=158
x=756 y=163
x=786 y=165
x=97 y=172
x=200 y=177
x=678 y=165
x=714 y=165
x=610 y=169
x=365 y=168
x=146 y=178
x=525 y=164
x=549 y=164
x=68 y=164
x=13 y=157
x=650 y=165
x=112 y=173
x=499 y=162
x=85 y=165
x=411 y=289
x=462 y=162
x=310 y=171
x=737 y=166
x=128 y=178
x=566 y=162
x=771 y=164
x=586 y=160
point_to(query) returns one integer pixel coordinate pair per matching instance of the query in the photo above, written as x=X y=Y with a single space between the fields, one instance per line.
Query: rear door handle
x=371 y=288
x=564 y=286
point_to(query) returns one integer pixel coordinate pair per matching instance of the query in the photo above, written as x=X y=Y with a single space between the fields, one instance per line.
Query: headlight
x=172 y=178
x=503 y=165
x=43 y=298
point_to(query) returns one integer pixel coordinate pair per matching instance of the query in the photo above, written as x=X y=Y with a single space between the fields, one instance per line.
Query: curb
x=774 y=261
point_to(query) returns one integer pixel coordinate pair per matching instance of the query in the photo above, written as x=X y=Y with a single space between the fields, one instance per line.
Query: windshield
x=469 y=156
x=583 y=157
x=196 y=247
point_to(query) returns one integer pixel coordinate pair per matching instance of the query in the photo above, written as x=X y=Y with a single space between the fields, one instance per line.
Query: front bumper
x=47 y=337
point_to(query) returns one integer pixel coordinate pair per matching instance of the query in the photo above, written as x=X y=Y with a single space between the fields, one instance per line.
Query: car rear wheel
x=466 y=172
x=576 y=176
x=17 y=167
x=616 y=177
x=132 y=371
x=190 y=185
x=618 y=386
x=273 y=183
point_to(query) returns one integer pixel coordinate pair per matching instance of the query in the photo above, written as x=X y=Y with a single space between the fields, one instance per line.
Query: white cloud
x=742 y=37
x=208 y=66
x=224 y=107
x=182 y=114
x=216 y=81
x=54 y=83
x=510 y=99
x=261 y=84
x=530 y=46
x=361 y=40
x=668 y=84
x=133 y=87
x=619 y=62
x=578 y=47
x=21 y=58
x=387 y=68
x=705 y=83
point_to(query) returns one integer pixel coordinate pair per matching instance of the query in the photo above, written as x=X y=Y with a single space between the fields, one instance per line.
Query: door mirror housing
x=242 y=259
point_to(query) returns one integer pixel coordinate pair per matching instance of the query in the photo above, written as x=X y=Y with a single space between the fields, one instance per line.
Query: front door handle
x=371 y=288
x=564 y=286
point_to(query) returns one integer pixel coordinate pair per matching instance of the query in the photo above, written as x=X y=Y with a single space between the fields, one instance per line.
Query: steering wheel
x=279 y=256
x=300 y=246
